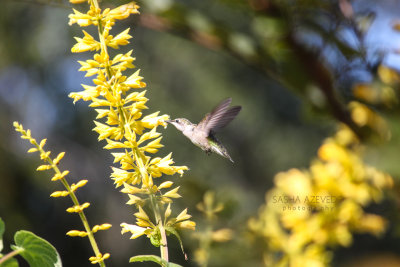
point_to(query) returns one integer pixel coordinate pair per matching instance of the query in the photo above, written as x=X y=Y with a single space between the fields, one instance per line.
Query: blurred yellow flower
x=309 y=211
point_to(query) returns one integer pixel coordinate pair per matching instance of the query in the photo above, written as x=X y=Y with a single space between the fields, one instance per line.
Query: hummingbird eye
x=176 y=120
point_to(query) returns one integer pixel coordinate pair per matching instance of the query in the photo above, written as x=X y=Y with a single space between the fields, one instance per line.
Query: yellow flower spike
x=340 y=174
x=58 y=175
x=122 y=125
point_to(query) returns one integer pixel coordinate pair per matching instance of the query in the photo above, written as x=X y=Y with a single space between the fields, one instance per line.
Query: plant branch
x=10 y=255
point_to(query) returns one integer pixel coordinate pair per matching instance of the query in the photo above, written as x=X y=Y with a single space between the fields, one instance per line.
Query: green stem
x=10 y=255
x=156 y=207
x=164 y=241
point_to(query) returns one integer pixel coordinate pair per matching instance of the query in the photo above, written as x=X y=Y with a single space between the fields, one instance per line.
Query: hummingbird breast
x=199 y=139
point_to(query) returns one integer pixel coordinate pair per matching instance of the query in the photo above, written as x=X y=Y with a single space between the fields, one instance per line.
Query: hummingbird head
x=180 y=124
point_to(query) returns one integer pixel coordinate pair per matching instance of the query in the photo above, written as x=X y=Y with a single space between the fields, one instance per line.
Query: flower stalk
x=132 y=137
x=70 y=191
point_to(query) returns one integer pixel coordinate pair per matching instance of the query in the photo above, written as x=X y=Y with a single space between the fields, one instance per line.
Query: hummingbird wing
x=219 y=117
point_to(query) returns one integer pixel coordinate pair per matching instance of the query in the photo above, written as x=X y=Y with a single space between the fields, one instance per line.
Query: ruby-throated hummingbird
x=203 y=134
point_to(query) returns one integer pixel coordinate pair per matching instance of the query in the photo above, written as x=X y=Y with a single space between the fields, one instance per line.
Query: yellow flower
x=121 y=12
x=222 y=235
x=135 y=230
x=82 y=19
x=120 y=39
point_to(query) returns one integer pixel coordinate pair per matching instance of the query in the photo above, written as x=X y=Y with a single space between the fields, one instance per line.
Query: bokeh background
x=271 y=57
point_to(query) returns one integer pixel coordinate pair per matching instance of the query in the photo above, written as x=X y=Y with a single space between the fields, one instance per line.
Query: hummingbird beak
x=169 y=121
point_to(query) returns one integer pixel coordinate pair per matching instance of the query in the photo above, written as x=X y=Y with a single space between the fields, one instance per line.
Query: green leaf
x=172 y=230
x=36 y=251
x=2 y=228
x=10 y=263
x=153 y=258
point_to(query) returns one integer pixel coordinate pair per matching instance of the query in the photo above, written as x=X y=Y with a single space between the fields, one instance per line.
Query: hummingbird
x=203 y=133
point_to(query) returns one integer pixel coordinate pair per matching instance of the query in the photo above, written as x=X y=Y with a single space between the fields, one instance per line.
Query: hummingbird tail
x=218 y=148
x=223 y=152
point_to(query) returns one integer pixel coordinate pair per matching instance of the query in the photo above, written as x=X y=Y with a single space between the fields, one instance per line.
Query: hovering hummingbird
x=203 y=134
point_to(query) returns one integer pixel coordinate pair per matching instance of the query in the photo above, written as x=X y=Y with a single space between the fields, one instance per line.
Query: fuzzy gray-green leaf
x=37 y=251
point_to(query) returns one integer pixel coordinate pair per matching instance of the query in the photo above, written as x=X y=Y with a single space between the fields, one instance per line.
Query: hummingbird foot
x=208 y=152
